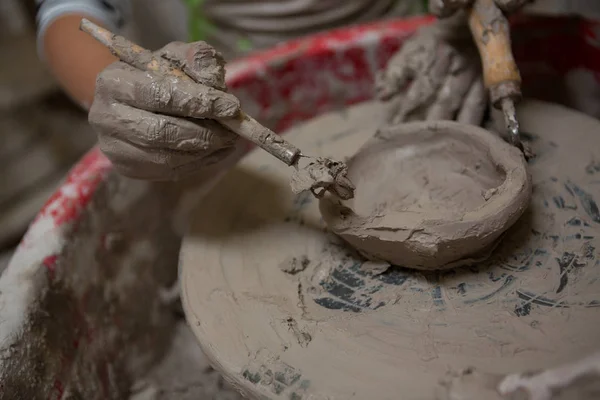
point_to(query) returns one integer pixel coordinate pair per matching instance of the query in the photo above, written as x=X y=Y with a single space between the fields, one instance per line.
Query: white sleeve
x=111 y=13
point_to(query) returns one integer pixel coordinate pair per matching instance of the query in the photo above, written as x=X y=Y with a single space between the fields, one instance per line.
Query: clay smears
x=259 y=273
x=431 y=195
x=321 y=175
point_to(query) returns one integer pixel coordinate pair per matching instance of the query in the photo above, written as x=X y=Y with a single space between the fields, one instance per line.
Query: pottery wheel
x=283 y=309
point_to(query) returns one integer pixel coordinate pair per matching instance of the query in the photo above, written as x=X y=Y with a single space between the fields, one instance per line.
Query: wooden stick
x=142 y=59
x=491 y=33
x=501 y=76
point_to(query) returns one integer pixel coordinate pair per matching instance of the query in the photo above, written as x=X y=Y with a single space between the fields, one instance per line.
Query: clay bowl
x=431 y=195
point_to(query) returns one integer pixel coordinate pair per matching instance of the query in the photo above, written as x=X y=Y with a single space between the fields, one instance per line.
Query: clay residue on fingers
x=199 y=60
x=321 y=175
x=435 y=76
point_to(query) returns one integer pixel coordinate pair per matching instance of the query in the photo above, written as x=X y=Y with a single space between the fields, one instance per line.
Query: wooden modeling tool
x=501 y=76
x=319 y=175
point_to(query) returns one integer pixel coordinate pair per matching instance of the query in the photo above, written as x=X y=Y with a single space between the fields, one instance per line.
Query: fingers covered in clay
x=199 y=60
x=432 y=77
x=404 y=66
x=428 y=82
x=418 y=53
x=158 y=127
x=158 y=164
x=392 y=80
x=148 y=130
x=451 y=94
x=474 y=104
x=121 y=83
x=144 y=145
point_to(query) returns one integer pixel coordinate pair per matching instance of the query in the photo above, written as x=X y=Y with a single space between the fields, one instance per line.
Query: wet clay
x=431 y=195
x=323 y=175
x=435 y=76
x=286 y=310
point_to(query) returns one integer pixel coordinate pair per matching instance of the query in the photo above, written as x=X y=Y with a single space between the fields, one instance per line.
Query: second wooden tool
x=321 y=174
x=501 y=76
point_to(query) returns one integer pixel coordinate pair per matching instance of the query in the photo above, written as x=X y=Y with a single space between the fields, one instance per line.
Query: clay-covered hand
x=446 y=8
x=161 y=128
x=436 y=75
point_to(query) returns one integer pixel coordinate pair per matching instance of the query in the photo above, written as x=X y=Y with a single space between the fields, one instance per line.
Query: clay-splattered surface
x=287 y=334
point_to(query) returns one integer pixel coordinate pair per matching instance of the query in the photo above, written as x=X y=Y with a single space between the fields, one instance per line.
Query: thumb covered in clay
x=158 y=127
x=200 y=61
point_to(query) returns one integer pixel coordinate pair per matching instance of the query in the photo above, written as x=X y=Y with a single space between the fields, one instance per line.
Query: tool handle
x=491 y=32
x=143 y=59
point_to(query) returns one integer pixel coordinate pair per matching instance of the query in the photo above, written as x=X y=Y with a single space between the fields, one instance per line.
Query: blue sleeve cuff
x=111 y=14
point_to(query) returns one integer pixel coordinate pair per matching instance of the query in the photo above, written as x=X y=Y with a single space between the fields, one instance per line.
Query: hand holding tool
x=320 y=175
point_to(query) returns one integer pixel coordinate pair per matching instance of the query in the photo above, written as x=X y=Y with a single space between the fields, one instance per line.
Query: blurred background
x=42 y=134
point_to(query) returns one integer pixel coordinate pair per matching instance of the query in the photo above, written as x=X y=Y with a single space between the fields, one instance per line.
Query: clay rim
x=503 y=208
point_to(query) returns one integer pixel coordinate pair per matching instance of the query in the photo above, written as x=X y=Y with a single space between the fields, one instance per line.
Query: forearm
x=74 y=58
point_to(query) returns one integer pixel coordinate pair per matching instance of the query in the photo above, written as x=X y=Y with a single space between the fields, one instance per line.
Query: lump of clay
x=431 y=195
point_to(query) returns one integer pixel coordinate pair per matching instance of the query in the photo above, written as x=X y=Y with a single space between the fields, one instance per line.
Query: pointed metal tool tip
x=512 y=125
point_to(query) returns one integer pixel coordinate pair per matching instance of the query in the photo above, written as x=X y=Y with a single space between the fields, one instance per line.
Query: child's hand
x=436 y=75
x=161 y=128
